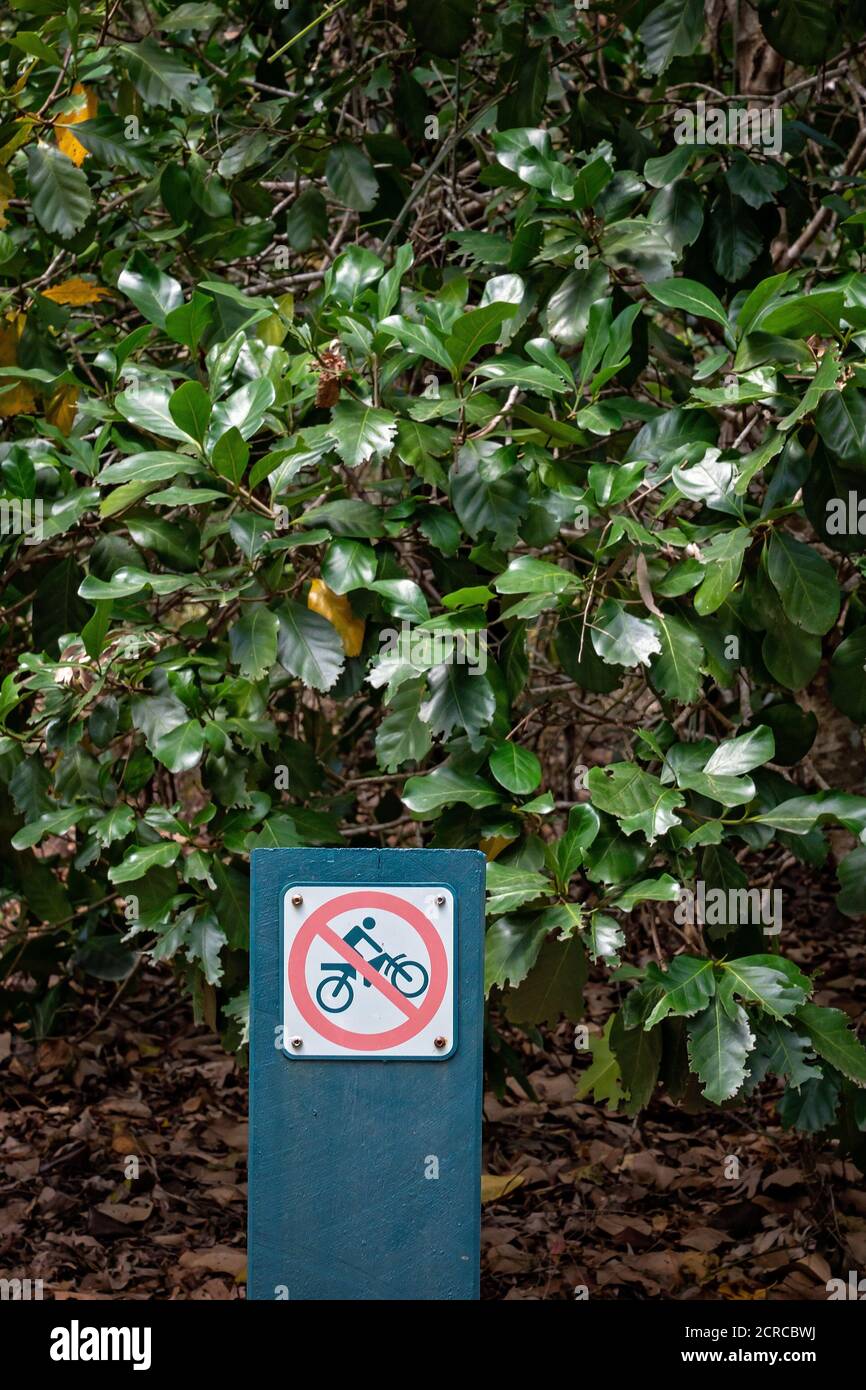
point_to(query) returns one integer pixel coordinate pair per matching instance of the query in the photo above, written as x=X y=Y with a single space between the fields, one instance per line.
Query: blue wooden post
x=364 y=1172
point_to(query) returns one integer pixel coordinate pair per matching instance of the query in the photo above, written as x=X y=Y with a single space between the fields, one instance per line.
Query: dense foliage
x=393 y=395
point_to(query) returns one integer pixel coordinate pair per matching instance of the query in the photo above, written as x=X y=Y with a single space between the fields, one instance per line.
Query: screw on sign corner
x=297 y=1042
x=440 y=1043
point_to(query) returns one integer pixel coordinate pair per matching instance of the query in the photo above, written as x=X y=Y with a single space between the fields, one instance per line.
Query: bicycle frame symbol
x=336 y=991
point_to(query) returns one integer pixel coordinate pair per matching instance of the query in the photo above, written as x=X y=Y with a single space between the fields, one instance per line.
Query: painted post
x=366 y=1026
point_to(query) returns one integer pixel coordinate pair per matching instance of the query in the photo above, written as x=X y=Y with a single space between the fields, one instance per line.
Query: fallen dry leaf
x=495 y=1186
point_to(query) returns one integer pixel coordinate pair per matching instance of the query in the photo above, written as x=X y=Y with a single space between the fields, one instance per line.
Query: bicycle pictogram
x=336 y=992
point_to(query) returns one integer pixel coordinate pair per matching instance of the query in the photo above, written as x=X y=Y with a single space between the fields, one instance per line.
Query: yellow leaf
x=76 y=291
x=495 y=1186
x=494 y=845
x=10 y=335
x=16 y=398
x=61 y=407
x=273 y=329
x=337 y=609
x=7 y=191
x=21 y=136
x=84 y=111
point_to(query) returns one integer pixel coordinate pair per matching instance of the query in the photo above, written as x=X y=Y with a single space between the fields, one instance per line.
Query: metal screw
x=296 y=1042
x=440 y=1042
x=296 y=900
x=440 y=901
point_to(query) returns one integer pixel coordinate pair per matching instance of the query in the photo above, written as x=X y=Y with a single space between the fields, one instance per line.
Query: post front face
x=366 y=1026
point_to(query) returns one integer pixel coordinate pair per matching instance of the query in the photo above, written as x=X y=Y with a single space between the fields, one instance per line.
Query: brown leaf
x=495 y=1186
x=221 y=1259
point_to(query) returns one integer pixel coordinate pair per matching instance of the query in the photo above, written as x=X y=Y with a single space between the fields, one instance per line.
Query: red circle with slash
x=319 y=924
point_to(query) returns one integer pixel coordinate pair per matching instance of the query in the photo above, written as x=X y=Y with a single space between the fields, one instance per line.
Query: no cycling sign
x=368 y=972
x=363 y=1179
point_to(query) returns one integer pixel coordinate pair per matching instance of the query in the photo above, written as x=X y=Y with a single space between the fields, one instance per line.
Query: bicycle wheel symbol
x=335 y=993
x=409 y=976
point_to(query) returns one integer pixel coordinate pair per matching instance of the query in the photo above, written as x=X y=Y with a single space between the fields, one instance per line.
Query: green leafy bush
x=383 y=414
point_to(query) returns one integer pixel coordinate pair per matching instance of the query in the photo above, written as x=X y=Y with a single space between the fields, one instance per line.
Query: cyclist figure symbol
x=336 y=991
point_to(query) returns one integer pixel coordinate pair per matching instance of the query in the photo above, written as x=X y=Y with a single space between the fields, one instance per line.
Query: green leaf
x=516 y=769
x=309 y=647
x=418 y=338
x=402 y=736
x=307 y=220
x=511 y=949
x=460 y=697
x=442 y=26
x=489 y=493
x=756 y=183
x=671 y=30
x=735 y=239
x=620 y=638
x=830 y=1034
x=841 y=422
x=723 y=559
x=190 y=408
x=475 y=330
x=604 y=938
x=444 y=785
x=230 y=455
x=719 y=1044
x=105 y=138
x=363 y=434
x=553 y=989
x=161 y=79
x=639 y=1055
x=116 y=824
x=203 y=941
x=346 y=517
x=57 y=607
x=153 y=293
x=181 y=750
x=676 y=670
x=802 y=315
x=602 y=1079
x=136 y=862
x=509 y=888
x=806 y=583
x=526 y=575
x=350 y=177
x=253 y=641
x=663 y=889
x=811 y=1107
x=59 y=191
x=688 y=984
x=638 y=800
x=690 y=296
x=770 y=981
x=348 y=565
x=146 y=406
x=780 y=1049
x=847 y=667
x=741 y=754
x=53 y=823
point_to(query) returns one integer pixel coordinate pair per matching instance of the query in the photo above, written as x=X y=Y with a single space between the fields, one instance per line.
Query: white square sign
x=368 y=972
